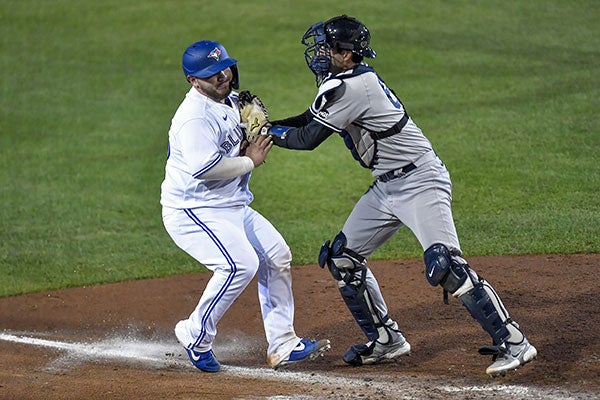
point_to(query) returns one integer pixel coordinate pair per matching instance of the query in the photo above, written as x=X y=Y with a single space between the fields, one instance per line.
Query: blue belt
x=397 y=173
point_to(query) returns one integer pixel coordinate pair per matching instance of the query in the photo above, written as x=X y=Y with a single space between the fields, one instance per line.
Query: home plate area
x=116 y=341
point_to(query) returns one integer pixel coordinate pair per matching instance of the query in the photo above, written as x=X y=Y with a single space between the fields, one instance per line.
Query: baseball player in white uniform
x=412 y=188
x=206 y=210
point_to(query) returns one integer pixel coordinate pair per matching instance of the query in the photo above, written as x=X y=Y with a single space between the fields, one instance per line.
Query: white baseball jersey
x=202 y=132
x=211 y=220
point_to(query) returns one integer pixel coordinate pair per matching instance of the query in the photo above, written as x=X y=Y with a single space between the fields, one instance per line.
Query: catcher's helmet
x=348 y=33
x=338 y=33
x=205 y=58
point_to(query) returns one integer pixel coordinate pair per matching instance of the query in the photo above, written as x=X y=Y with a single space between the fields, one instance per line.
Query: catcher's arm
x=297 y=121
x=255 y=121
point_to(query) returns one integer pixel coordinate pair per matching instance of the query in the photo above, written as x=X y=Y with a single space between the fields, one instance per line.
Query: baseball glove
x=254 y=116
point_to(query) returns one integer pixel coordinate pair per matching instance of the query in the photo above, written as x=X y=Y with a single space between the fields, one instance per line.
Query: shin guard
x=481 y=307
x=349 y=270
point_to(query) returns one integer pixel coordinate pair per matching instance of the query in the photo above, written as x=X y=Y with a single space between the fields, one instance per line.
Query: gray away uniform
x=412 y=187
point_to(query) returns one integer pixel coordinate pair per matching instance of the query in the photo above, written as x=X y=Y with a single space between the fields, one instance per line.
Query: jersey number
x=391 y=97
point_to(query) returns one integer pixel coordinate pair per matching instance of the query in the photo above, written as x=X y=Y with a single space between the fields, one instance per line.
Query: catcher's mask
x=338 y=33
x=206 y=58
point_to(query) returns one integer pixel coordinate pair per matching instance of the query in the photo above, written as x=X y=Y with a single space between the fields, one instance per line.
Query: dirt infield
x=115 y=341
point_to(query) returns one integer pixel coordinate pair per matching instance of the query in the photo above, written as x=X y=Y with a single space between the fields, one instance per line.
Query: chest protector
x=361 y=141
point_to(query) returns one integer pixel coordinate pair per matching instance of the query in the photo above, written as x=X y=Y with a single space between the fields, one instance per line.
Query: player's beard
x=216 y=87
x=219 y=92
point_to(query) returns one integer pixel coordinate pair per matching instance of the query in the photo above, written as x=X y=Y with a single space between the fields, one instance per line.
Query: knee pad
x=338 y=258
x=442 y=268
x=349 y=269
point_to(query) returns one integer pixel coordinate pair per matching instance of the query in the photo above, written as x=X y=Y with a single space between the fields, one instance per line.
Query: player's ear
x=348 y=58
x=193 y=81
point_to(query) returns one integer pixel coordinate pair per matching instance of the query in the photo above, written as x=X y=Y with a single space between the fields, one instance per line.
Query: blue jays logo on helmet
x=216 y=53
x=206 y=58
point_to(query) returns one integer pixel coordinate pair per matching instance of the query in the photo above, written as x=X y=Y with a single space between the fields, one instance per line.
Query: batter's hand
x=258 y=149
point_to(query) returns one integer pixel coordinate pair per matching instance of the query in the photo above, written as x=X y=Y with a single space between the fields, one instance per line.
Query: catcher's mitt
x=254 y=116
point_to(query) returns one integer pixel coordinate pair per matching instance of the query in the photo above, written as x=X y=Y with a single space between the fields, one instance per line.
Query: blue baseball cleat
x=306 y=350
x=205 y=361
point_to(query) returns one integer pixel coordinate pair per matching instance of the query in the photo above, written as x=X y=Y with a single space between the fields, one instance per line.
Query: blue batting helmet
x=205 y=58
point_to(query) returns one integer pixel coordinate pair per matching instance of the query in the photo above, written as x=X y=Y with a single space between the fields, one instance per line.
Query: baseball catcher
x=411 y=188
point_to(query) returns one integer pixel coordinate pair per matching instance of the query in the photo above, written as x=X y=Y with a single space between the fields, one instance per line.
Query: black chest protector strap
x=396 y=128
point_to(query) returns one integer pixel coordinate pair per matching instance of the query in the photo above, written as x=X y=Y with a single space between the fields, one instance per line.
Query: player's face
x=216 y=87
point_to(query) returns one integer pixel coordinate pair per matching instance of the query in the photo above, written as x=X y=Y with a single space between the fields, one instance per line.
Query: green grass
x=507 y=92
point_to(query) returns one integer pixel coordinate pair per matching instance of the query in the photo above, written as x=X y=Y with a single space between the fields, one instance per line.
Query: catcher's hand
x=254 y=116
